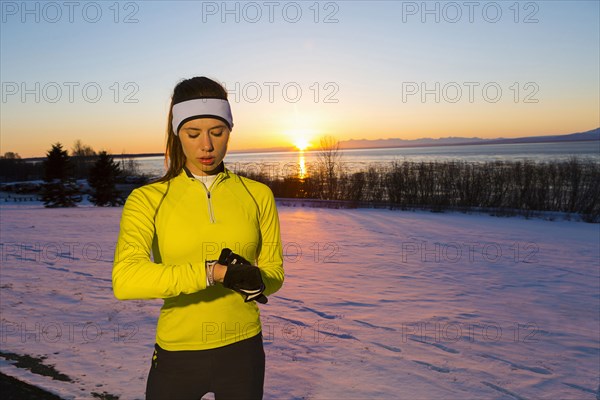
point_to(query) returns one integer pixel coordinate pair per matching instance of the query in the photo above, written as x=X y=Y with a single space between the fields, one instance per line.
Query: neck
x=220 y=168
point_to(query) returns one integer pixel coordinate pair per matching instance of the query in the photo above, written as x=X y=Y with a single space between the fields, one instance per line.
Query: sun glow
x=301 y=144
x=300 y=138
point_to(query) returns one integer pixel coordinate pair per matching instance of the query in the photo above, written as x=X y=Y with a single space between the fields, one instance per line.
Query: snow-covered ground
x=376 y=304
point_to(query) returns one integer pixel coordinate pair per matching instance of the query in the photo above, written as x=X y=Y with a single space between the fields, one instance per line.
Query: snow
x=376 y=304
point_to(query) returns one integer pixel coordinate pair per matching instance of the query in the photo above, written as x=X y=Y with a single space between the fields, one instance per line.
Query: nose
x=206 y=142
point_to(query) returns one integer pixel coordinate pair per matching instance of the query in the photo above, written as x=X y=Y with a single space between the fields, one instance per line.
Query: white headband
x=201 y=108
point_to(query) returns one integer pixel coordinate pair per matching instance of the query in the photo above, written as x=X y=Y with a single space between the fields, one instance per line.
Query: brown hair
x=188 y=89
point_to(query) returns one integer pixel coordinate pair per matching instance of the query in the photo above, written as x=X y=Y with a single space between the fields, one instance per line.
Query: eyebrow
x=214 y=127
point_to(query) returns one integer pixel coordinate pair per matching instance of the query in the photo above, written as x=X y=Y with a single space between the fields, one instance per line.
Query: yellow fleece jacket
x=169 y=229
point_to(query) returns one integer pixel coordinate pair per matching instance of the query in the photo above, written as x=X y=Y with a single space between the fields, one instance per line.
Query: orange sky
x=330 y=73
x=137 y=129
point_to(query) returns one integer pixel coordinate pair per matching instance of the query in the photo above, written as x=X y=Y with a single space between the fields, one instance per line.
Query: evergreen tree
x=59 y=188
x=102 y=179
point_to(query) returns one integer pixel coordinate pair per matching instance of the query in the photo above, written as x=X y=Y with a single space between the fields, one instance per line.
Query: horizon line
x=480 y=141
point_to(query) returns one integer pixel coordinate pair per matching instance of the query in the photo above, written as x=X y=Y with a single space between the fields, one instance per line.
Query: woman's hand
x=242 y=277
x=219 y=272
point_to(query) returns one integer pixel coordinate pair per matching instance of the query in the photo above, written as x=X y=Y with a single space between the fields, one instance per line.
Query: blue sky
x=365 y=58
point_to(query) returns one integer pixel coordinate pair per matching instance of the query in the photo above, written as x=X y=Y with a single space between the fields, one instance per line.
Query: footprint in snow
x=291 y=321
x=537 y=370
x=82 y=273
x=59 y=269
x=286 y=299
x=390 y=348
x=319 y=313
x=439 y=346
x=503 y=390
x=583 y=389
x=433 y=367
x=385 y=328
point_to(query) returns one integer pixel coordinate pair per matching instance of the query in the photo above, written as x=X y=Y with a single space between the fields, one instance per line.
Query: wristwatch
x=210 y=269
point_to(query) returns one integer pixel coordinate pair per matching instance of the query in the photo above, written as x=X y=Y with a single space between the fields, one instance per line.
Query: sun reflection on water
x=301 y=162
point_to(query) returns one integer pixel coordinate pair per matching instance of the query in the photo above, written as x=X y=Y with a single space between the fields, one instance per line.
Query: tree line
x=501 y=187
x=60 y=171
x=82 y=157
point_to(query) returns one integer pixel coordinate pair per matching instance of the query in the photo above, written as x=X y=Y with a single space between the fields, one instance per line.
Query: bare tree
x=130 y=167
x=82 y=159
x=329 y=163
x=81 y=150
x=9 y=155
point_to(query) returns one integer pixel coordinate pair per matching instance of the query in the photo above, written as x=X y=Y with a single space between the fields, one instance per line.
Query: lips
x=206 y=160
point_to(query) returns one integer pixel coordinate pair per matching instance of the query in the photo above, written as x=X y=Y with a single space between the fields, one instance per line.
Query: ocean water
x=285 y=163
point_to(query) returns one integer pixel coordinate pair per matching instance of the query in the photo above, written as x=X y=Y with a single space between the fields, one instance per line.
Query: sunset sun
x=301 y=143
x=300 y=138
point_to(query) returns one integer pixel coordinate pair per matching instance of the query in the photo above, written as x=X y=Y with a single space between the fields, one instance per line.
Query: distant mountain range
x=383 y=143
x=454 y=141
x=447 y=141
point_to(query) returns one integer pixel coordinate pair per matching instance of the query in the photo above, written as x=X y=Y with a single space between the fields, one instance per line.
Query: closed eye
x=193 y=136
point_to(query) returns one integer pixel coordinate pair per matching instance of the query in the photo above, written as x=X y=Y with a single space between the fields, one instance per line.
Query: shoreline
x=373 y=146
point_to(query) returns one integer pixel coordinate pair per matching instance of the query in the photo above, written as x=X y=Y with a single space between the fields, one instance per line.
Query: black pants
x=235 y=371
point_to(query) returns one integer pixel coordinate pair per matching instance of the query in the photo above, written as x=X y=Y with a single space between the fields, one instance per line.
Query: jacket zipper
x=210 y=209
x=208 y=198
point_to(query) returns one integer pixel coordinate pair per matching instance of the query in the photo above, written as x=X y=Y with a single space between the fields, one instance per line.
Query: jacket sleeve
x=270 y=258
x=135 y=275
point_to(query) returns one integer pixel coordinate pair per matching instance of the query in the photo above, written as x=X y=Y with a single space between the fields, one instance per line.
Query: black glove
x=242 y=277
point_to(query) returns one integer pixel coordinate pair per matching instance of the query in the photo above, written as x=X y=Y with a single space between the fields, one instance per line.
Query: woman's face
x=204 y=142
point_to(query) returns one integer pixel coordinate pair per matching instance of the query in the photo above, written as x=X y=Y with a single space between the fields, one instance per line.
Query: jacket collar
x=222 y=174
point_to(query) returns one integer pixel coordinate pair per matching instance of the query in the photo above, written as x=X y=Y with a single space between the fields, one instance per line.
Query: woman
x=205 y=226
